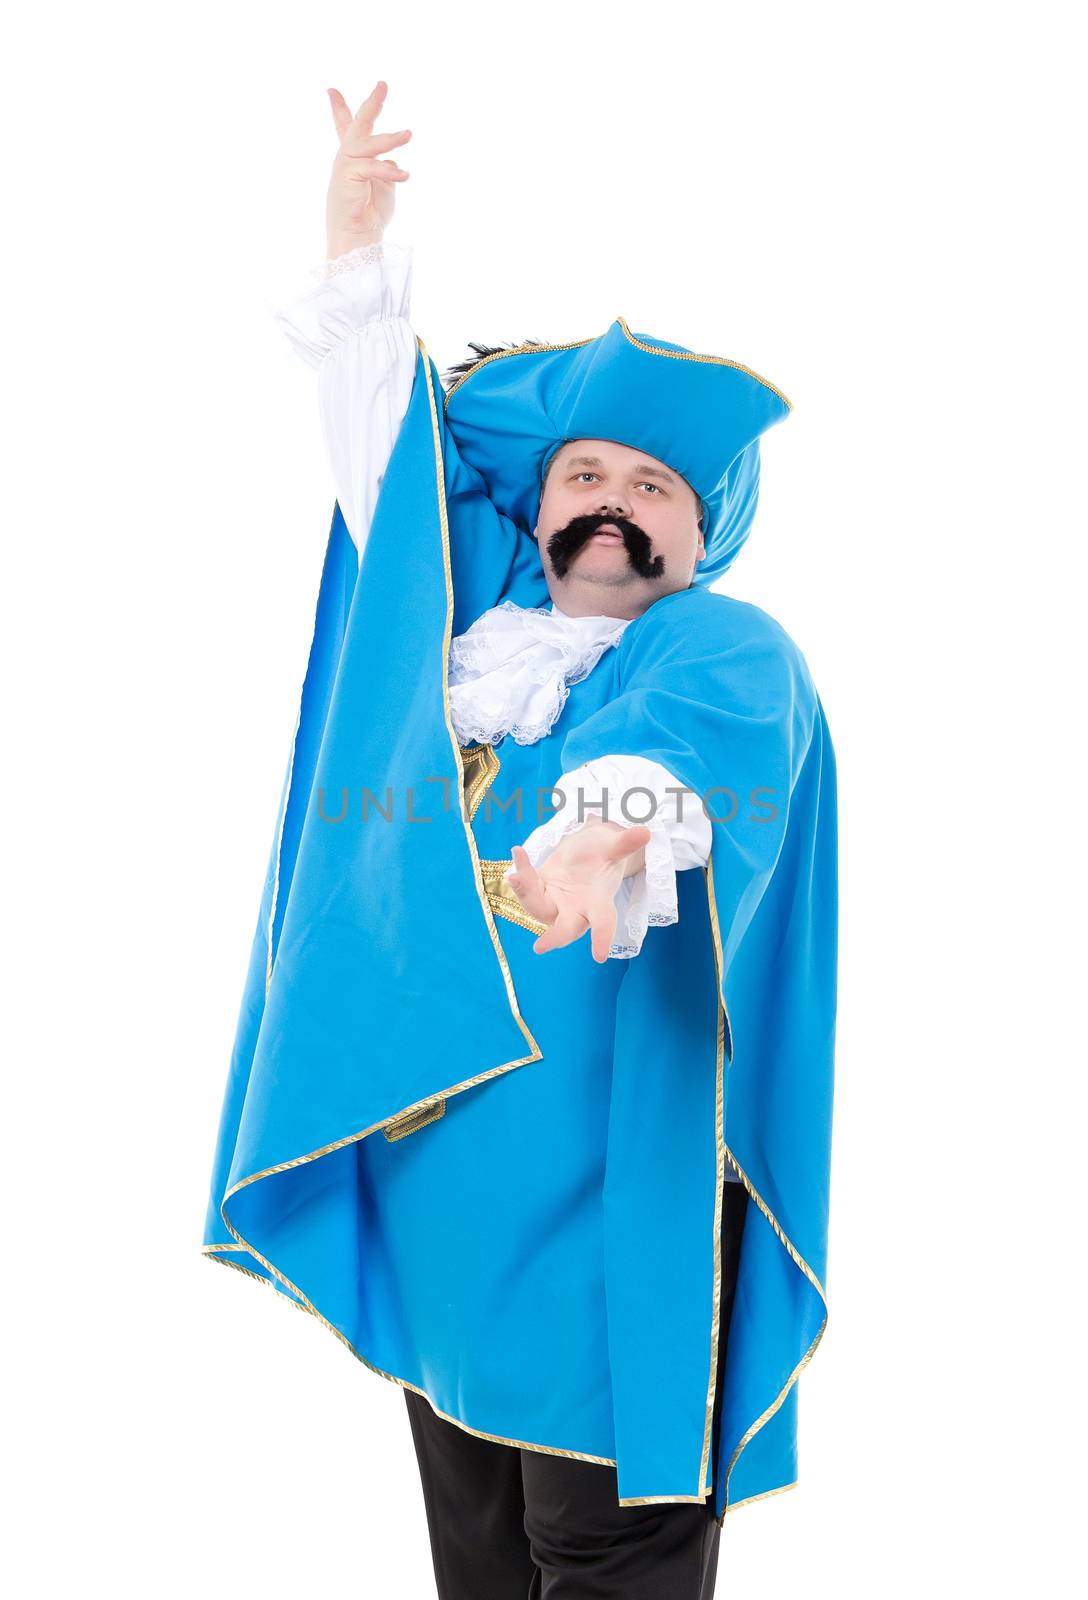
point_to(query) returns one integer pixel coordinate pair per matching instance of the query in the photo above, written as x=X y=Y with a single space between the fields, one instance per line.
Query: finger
x=383 y=141
x=535 y=901
x=523 y=867
x=597 y=908
x=618 y=845
x=365 y=168
x=371 y=107
x=567 y=927
x=602 y=929
x=373 y=144
x=530 y=888
x=341 y=112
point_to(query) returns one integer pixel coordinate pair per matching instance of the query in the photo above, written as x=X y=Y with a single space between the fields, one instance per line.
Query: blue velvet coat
x=497 y=1176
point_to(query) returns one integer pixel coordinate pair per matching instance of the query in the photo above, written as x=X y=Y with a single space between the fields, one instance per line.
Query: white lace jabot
x=510 y=672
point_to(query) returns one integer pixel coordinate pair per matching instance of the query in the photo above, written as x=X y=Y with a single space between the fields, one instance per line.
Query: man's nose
x=614 y=506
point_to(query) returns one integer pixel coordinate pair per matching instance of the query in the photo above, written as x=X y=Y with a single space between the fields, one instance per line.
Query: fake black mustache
x=563 y=546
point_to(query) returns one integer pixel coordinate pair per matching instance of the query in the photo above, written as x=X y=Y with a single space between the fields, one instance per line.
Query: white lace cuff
x=337 y=298
x=632 y=791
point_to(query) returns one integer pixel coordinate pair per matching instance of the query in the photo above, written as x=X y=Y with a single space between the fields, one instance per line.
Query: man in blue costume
x=576 y=1207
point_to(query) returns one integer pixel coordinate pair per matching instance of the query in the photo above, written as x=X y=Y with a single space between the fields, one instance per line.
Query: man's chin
x=601 y=557
x=602 y=579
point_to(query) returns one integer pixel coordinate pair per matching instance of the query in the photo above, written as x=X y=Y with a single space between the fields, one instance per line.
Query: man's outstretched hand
x=575 y=887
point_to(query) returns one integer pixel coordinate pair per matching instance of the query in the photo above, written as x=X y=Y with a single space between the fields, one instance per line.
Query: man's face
x=617 y=529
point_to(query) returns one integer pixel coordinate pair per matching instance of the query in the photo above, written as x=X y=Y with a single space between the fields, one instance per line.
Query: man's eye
x=646 y=485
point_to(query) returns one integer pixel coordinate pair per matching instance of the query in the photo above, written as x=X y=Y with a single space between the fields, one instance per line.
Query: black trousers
x=513 y=1524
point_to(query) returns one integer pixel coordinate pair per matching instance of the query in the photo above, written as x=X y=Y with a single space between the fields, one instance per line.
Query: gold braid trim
x=640 y=344
x=794 y=1254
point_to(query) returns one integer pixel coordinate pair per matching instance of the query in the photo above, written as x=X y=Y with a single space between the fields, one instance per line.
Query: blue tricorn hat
x=701 y=415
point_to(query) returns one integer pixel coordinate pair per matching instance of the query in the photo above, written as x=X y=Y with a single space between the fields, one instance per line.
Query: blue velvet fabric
x=542 y=1260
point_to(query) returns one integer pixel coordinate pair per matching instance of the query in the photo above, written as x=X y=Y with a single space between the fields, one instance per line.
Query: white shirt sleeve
x=632 y=790
x=351 y=325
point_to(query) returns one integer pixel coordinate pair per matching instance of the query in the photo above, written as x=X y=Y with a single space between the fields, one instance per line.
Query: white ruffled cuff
x=679 y=836
x=371 y=283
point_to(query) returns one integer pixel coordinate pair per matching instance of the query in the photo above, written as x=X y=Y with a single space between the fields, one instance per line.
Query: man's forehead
x=585 y=453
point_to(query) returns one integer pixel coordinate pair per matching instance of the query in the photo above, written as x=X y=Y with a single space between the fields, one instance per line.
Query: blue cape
x=339 y=1035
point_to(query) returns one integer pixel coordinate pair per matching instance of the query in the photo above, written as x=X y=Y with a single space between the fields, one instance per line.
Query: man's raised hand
x=360 y=200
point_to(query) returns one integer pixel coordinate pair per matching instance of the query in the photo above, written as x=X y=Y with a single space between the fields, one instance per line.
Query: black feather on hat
x=452 y=374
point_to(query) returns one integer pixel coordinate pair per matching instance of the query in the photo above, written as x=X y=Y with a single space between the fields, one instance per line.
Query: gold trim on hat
x=640 y=344
x=516 y=350
x=716 y=361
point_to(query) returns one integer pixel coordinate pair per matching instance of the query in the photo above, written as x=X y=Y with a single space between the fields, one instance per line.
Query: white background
x=875 y=207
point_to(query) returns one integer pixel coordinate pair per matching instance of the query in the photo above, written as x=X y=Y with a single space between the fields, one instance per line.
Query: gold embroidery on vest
x=502 y=899
x=481 y=766
x=481 y=769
